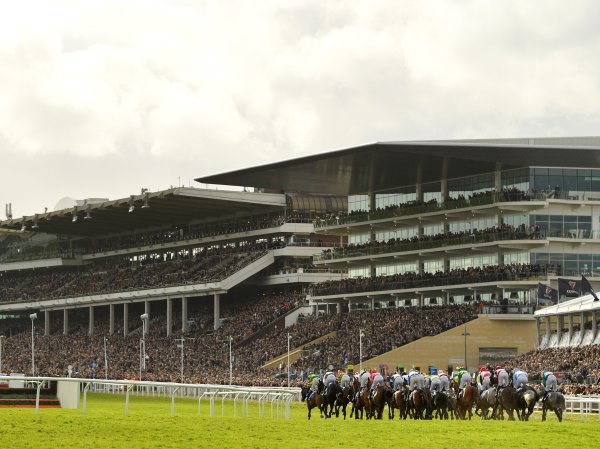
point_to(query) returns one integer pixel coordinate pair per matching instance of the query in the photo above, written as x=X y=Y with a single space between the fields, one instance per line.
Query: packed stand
x=490 y=273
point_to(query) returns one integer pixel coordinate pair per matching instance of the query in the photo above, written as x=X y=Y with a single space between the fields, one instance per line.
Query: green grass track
x=150 y=425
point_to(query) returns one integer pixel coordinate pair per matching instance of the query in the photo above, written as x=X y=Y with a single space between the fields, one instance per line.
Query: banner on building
x=568 y=288
x=547 y=293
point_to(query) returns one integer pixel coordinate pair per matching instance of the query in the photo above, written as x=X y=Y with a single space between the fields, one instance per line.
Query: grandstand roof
x=584 y=303
x=381 y=166
x=150 y=210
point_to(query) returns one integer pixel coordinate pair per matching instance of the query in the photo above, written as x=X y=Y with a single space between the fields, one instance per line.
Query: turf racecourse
x=150 y=425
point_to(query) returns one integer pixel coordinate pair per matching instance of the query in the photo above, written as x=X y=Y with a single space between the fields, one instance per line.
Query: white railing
x=280 y=398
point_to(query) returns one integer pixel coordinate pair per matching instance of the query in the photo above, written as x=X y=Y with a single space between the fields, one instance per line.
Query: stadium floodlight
x=88 y=216
x=35 y=222
x=32 y=317
x=146 y=198
x=23 y=227
x=131 y=205
x=144 y=317
x=360 y=337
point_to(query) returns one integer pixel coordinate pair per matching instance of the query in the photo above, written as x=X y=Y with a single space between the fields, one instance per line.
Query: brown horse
x=398 y=401
x=361 y=402
x=343 y=399
x=316 y=399
x=466 y=401
x=378 y=402
x=418 y=404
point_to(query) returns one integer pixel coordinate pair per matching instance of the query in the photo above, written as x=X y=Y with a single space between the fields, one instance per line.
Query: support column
x=111 y=319
x=217 y=311
x=184 y=314
x=594 y=325
x=339 y=308
x=65 y=321
x=46 y=322
x=444 y=181
x=537 y=333
x=447 y=299
x=125 y=319
x=372 y=303
x=548 y=328
x=147 y=312
x=169 y=316
x=91 y=321
x=421 y=300
x=559 y=326
x=570 y=327
x=498 y=177
x=581 y=327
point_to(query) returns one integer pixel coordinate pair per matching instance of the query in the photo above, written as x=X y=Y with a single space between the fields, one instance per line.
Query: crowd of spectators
x=493 y=233
x=384 y=330
x=452 y=202
x=206 y=351
x=469 y=275
x=209 y=265
x=578 y=367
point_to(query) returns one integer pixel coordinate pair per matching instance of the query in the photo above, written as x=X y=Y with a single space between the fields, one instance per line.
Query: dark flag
x=586 y=287
x=547 y=292
x=568 y=288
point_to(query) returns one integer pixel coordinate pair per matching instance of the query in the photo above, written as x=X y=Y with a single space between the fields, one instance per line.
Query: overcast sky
x=102 y=98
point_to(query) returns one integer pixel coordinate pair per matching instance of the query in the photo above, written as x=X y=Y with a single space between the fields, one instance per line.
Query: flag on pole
x=547 y=292
x=586 y=287
x=568 y=288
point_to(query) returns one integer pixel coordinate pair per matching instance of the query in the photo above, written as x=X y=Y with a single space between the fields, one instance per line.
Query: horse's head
x=304 y=392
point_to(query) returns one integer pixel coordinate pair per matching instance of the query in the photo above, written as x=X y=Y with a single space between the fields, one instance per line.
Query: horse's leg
x=559 y=413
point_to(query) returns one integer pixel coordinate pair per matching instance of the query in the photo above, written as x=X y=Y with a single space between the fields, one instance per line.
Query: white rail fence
x=279 y=398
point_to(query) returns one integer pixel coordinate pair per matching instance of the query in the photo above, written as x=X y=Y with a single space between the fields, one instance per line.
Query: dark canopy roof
x=382 y=166
x=150 y=210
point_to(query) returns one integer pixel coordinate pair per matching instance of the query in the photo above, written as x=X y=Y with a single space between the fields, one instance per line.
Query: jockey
x=415 y=379
x=462 y=378
x=364 y=382
x=435 y=384
x=502 y=377
x=549 y=382
x=520 y=378
x=345 y=381
x=377 y=380
x=484 y=379
x=444 y=381
x=314 y=386
x=398 y=382
x=328 y=379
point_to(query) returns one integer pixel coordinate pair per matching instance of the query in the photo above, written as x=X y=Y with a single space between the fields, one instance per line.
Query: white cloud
x=196 y=87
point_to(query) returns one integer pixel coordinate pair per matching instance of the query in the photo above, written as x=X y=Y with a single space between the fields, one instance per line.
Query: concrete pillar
x=217 y=311
x=537 y=333
x=559 y=326
x=169 y=316
x=581 y=326
x=548 y=328
x=66 y=322
x=372 y=303
x=444 y=181
x=498 y=177
x=91 y=321
x=421 y=300
x=447 y=299
x=570 y=327
x=315 y=308
x=46 y=322
x=594 y=324
x=111 y=319
x=184 y=314
x=339 y=308
x=147 y=312
x=125 y=319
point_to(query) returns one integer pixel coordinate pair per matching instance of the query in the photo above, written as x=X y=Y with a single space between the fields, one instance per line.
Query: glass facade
x=569 y=226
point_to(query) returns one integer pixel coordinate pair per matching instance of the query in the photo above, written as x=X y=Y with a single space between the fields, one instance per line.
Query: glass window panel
x=540 y=171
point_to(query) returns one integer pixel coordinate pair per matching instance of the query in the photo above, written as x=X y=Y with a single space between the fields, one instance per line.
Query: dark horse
x=343 y=399
x=554 y=402
x=441 y=405
x=530 y=398
x=329 y=398
x=316 y=400
x=466 y=401
x=510 y=400
x=486 y=402
x=421 y=404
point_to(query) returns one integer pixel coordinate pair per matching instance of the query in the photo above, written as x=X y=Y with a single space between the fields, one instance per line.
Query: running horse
x=344 y=397
x=466 y=401
x=329 y=399
x=361 y=402
x=418 y=402
x=378 y=402
x=398 y=401
x=510 y=400
x=530 y=398
x=316 y=400
x=555 y=402
x=486 y=402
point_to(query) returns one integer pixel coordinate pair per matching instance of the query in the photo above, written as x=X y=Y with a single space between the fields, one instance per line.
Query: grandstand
x=386 y=238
